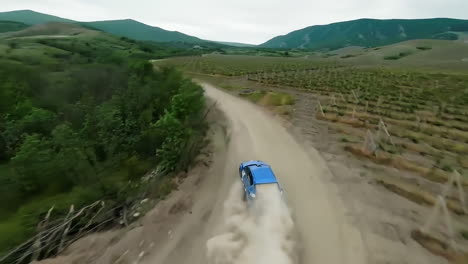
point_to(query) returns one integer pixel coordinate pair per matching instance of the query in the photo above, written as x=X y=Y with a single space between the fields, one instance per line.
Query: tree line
x=80 y=136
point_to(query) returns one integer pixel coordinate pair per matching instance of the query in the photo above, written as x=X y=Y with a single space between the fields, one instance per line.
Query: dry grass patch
x=439 y=247
x=416 y=194
x=380 y=157
x=357 y=123
x=284 y=110
x=276 y=99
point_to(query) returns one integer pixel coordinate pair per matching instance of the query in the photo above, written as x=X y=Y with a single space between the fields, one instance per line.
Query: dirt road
x=320 y=219
x=207 y=216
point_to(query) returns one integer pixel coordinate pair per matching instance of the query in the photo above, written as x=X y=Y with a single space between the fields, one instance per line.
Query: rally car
x=254 y=173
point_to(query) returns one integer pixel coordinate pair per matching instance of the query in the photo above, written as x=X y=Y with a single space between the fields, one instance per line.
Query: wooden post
x=124 y=216
x=383 y=127
x=92 y=218
x=455 y=178
x=461 y=192
x=321 y=109
x=379 y=101
x=35 y=249
x=440 y=208
x=355 y=96
x=333 y=100
x=369 y=143
x=67 y=228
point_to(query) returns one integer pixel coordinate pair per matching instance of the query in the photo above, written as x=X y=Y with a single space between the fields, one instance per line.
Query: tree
x=142 y=69
x=12 y=45
x=38 y=121
x=70 y=159
x=189 y=103
x=33 y=163
x=175 y=135
x=3 y=149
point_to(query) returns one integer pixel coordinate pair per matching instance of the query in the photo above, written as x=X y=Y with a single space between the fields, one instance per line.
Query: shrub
x=12 y=45
x=397 y=57
x=446 y=167
x=464 y=234
x=424 y=48
x=347 y=56
x=392 y=57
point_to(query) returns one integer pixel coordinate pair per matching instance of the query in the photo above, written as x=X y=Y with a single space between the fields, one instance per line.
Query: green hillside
x=139 y=31
x=30 y=17
x=10 y=26
x=368 y=33
x=54 y=29
x=236 y=44
x=126 y=28
x=79 y=119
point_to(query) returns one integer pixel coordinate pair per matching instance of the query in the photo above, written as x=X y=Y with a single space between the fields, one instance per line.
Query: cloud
x=251 y=21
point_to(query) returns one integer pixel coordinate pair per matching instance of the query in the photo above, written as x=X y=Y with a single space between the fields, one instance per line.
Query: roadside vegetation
x=82 y=119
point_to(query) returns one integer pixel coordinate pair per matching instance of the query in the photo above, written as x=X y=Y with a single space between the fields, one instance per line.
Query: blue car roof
x=261 y=172
x=253 y=162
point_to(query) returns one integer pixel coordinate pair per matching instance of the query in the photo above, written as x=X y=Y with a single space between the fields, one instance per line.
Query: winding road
x=325 y=235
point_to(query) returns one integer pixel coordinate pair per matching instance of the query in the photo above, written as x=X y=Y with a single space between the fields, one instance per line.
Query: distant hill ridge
x=368 y=33
x=126 y=28
x=30 y=17
x=362 y=32
x=136 y=30
x=11 y=26
x=52 y=29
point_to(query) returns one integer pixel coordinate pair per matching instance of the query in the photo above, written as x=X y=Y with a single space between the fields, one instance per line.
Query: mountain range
x=125 y=28
x=369 y=33
x=361 y=32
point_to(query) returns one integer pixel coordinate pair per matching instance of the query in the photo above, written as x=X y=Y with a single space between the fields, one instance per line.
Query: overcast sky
x=248 y=21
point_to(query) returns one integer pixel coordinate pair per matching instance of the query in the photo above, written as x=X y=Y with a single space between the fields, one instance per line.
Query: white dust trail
x=260 y=234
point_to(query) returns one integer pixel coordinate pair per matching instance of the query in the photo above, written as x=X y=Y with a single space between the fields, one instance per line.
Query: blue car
x=254 y=173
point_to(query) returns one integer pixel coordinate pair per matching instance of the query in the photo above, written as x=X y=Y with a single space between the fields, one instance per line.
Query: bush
x=255 y=96
x=347 y=56
x=397 y=57
x=424 y=48
x=175 y=136
x=464 y=234
x=136 y=167
x=12 y=45
x=392 y=57
x=13 y=233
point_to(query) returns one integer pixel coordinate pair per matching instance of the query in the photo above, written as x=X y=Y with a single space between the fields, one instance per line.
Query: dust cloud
x=263 y=233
